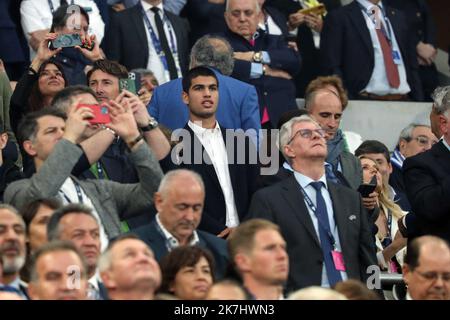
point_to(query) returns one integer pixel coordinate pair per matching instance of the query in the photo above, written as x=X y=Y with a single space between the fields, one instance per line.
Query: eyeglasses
x=433 y=276
x=307 y=134
x=424 y=141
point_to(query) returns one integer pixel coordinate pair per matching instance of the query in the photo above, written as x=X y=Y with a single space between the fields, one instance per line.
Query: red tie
x=391 y=68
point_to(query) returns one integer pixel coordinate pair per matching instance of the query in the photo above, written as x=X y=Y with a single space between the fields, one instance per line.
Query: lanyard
x=388 y=239
x=313 y=208
x=155 y=40
x=79 y=194
x=388 y=33
x=52 y=8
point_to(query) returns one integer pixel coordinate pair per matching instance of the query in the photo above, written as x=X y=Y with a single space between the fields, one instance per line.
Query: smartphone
x=132 y=84
x=101 y=113
x=317 y=10
x=66 y=41
x=367 y=188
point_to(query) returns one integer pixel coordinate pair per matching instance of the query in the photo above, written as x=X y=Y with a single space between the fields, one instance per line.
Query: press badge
x=396 y=57
x=338 y=260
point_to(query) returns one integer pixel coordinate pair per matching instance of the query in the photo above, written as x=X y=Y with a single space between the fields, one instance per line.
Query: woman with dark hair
x=37 y=87
x=36 y=215
x=187 y=273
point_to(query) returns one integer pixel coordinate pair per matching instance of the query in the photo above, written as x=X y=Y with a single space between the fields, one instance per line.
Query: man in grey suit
x=324 y=224
x=53 y=144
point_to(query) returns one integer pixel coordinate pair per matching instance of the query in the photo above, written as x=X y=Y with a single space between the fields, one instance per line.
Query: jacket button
x=265 y=93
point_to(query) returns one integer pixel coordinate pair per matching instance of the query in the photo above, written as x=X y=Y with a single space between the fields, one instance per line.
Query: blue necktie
x=325 y=235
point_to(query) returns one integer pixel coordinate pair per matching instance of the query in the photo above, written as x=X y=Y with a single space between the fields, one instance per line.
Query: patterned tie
x=324 y=234
x=391 y=68
x=165 y=44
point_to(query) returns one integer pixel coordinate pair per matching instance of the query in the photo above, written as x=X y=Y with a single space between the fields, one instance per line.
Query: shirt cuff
x=256 y=70
x=265 y=57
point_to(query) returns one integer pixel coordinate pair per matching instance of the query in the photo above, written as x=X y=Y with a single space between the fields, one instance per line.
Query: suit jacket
x=351 y=169
x=111 y=200
x=243 y=176
x=427 y=181
x=346 y=49
x=156 y=241
x=126 y=39
x=277 y=94
x=283 y=204
x=237 y=109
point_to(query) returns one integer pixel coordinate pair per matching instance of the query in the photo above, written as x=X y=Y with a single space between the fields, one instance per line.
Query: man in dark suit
x=238 y=104
x=226 y=160
x=136 y=39
x=367 y=44
x=179 y=202
x=324 y=224
x=262 y=59
x=427 y=181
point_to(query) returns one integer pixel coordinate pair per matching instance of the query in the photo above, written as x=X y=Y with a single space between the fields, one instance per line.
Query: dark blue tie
x=325 y=235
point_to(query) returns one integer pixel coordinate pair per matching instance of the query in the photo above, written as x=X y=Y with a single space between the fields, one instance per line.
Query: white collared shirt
x=273 y=27
x=304 y=182
x=68 y=194
x=37 y=15
x=378 y=83
x=154 y=61
x=174 y=241
x=445 y=143
x=214 y=144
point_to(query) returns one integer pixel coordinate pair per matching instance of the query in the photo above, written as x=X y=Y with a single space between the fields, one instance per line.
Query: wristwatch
x=257 y=56
x=152 y=124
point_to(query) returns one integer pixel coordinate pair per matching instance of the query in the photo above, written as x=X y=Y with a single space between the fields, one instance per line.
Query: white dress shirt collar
x=147 y=6
x=169 y=237
x=199 y=130
x=305 y=181
x=445 y=143
x=368 y=5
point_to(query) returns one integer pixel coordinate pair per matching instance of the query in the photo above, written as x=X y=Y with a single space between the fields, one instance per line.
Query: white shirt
x=154 y=61
x=304 y=182
x=68 y=194
x=378 y=83
x=273 y=27
x=37 y=15
x=214 y=144
x=174 y=241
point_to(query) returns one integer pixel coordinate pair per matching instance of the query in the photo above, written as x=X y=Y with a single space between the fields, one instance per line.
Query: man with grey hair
x=179 y=202
x=441 y=98
x=324 y=224
x=414 y=139
x=12 y=248
x=129 y=270
x=76 y=223
x=427 y=178
x=238 y=104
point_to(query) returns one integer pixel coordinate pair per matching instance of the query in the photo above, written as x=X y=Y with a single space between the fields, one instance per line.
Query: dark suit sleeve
x=367 y=249
x=19 y=100
x=331 y=42
x=428 y=197
x=260 y=208
x=284 y=58
x=112 y=40
x=430 y=27
x=241 y=70
x=202 y=9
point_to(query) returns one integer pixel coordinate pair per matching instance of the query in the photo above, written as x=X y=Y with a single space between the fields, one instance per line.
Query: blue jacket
x=238 y=105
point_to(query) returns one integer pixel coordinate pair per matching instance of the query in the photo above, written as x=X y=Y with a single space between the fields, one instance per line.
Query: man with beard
x=179 y=202
x=259 y=256
x=226 y=160
x=76 y=223
x=12 y=248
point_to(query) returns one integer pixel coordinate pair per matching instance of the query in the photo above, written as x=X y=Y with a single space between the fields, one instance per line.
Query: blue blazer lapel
x=155 y=240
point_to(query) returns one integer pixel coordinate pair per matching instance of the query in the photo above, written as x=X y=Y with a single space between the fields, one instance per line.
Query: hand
x=94 y=54
x=225 y=233
x=277 y=73
x=37 y=37
x=293 y=45
x=145 y=96
x=371 y=201
x=77 y=121
x=3 y=140
x=118 y=7
x=122 y=121
x=314 y=22
x=295 y=20
x=246 y=56
x=44 y=52
x=426 y=52
x=138 y=108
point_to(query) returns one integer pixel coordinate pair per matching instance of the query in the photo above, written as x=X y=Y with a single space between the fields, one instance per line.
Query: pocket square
x=352 y=217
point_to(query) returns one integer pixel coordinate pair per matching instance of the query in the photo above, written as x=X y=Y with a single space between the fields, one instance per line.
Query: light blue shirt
x=304 y=182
